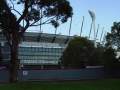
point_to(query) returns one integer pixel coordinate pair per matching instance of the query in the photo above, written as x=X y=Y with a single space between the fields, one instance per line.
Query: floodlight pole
x=69 y=31
x=23 y=23
x=40 y=20
x=101 y=35
x=90 y=29
x=82 y=26
x=70 y=26
x=40 y=27
x=55 y=28
x=94 y=32
x=97 y=31
x=92 y=14
x=103 y=41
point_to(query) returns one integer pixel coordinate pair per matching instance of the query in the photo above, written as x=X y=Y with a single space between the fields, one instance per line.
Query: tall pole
x=94 y=31
x=40 y=19
x=23 y=23
x=82 y=26
x=97 y=31
x=40 y=27
x=70 y=26
x=103 y=41
x=92 y=15
x=56 y=22
x=101 y=35
x=69 y=31
x=55 y=27
x=55 y=30
x=90 y=29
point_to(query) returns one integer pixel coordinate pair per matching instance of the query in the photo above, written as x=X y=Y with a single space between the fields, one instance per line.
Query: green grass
x=107 y=84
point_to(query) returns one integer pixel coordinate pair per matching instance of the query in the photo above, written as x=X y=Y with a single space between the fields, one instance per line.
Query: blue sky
x=107 y=11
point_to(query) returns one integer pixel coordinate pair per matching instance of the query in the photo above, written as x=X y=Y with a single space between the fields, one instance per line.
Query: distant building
x=37 y=48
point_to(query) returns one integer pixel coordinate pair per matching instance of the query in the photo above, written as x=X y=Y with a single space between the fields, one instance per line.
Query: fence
x=4 y=75
x=40 y=75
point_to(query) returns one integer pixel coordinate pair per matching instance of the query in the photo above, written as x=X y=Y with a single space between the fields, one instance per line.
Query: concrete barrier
x=40 y=75
x=80 y=74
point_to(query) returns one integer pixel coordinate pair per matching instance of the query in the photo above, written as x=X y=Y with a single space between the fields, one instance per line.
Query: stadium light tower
x=101 y=35
x=97 y=31
x=92 y=15
x=70 y=26
x=104 y=38
x=71 y=19
x=82 y=26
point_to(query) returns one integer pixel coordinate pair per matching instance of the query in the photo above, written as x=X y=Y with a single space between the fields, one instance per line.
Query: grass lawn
x=107 y=84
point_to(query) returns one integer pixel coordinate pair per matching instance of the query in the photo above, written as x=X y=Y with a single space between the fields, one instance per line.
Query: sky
x=106 y=11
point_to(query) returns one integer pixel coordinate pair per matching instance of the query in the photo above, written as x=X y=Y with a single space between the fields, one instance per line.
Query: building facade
x=37 y=48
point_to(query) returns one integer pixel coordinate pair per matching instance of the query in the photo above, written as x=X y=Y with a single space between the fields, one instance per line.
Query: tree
x=52 y=12
x=110 y=62
x=1 y=55
x=109 y=58
x=113 y=38
x=78 y=53
x=81 y=52
x=96 y=56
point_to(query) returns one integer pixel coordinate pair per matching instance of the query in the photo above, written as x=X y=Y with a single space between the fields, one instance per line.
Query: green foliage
x=52 y=12
x=110 y=61
x=6 y=17
x=113 y=38
x=81 y=52
x=96 y=56
x=59 y=10
x=112 y=45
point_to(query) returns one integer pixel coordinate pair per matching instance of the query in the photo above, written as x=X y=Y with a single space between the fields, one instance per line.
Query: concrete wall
x=39 y=75
x=81 y=74
x=4 y=76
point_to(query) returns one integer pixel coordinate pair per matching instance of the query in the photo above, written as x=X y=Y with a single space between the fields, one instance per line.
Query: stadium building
x=39 y=49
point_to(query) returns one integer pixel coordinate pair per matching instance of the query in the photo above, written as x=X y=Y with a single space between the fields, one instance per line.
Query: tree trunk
x=14 y=59
x=13 y=64
x=0 y=54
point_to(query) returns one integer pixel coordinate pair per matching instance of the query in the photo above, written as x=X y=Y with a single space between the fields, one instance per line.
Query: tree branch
x=33 y=24
x=12 y=4
x=13 y=8
x=25 y=12
x=16 y=11
x=39 y=24
x=25 y=28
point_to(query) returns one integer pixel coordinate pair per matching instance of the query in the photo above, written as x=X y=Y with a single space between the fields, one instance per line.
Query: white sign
x=25 y=73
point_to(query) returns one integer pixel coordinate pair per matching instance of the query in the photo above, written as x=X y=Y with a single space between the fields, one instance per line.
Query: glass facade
x=32 y=52
x=40 y=55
